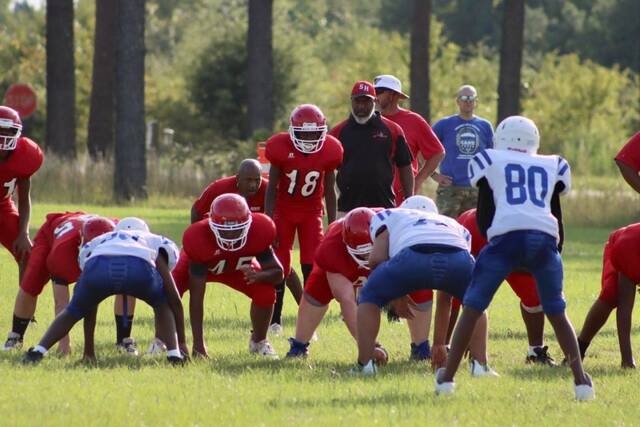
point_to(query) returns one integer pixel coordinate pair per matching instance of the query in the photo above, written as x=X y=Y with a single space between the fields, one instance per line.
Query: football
x=380 y=355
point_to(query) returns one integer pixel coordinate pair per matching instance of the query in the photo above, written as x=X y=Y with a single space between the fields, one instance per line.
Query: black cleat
x=32 y=357
x=175 y=361
x=541 y=357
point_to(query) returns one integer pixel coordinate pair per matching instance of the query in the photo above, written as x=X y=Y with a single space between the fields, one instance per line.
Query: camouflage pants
x=452 y=200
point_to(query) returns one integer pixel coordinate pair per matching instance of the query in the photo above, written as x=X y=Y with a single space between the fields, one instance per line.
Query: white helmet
x=517 y=133
x=420 y=203
x=132 y=223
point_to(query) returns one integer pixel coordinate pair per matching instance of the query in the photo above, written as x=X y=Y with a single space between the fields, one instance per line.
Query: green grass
x=234 y=388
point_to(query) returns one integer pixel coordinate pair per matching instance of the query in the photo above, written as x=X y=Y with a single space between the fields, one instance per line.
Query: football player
x=524 y=286
x=340 y=269
x=55 y=256
x=519 y=212
x=129 y=260
x=20 y=158
x=412 y=250
x=620 y=275
x=233 y=246
x=303 y=163
x=249 y=183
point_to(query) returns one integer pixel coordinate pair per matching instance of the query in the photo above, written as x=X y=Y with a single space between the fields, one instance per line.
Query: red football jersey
x=301 y=185
x=23 y=162
x=468 y=220
x=65 y=238
x=630 y=153
x=200 y=245
x=332 y=255
x=228 y=185
x=624 y=253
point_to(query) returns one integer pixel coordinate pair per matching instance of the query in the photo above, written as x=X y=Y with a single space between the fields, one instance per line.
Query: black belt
x=427 y=248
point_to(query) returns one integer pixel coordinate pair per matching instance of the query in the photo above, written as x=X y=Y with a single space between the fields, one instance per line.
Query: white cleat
x=478 y=370
x=276 y=330
x=368 y=370
x=444 y=388
x=128 y=346
x=13 y=342
x=262 y=348
x=585 y=392
x=156 y=348
x=314 y=337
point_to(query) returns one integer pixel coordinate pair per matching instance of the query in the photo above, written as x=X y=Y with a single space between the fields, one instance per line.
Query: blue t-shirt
x=462 y=139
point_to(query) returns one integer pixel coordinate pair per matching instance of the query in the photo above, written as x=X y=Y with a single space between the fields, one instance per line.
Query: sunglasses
x=467 y=98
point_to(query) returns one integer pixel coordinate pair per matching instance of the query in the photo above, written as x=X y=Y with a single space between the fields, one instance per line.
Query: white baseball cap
x=387 y=81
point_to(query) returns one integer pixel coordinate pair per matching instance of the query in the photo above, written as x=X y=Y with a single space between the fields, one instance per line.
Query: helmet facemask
x=360 y=254
x=231 y=235
x=309 y=137
x=9 y=134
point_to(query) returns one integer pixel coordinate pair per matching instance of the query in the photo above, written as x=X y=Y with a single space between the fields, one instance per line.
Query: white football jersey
x=408 y=227
x=129 y=243
x=522 y=186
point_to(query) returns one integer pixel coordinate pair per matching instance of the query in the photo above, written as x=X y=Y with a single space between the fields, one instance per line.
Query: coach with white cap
x=421 y=139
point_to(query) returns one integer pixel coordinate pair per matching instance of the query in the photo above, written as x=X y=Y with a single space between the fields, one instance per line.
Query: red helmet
x=10 y=128
x=308 y=128
x=230 y=219
x=355 y=235
x=95 y=227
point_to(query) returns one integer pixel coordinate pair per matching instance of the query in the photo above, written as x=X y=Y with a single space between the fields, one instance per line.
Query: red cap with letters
x=363 y=88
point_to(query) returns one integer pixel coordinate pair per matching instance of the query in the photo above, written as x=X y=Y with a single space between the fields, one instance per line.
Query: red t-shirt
x=301 y=185
x=23 y=162
x=630 y=153
x=420 y=139
x=200 y=245
x=228 y=185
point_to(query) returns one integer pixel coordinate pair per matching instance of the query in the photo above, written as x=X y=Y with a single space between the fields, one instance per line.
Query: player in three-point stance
x=519 y=211
x=412 y=250
x=132 y=261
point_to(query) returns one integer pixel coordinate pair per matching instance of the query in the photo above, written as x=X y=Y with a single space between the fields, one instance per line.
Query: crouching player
x=339 y=271
x=620 y=275
x=132 y=261
x=519 y=211
x=233 y=247
x=524 y=286
x=55 y=256
x=412 y=250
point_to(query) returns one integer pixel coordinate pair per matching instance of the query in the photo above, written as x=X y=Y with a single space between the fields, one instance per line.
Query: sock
x=277 y=308
x=20 y=325
x=583 y=347
x=532 y=351
x=123 y=330
x=174 y=353
x=40 y=349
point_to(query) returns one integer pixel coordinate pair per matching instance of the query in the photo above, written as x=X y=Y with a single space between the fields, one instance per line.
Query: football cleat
x=541 y=357
x=13 y=342
x=297 y=349
x=585 y=392
x=32 y=357
x=367 y=370
x=479 y=370
x=156 y=347
x=421 y=351
x=276 y=329
x=176 y=361
x=444 y=388
x=129 y=346
x=262 y=348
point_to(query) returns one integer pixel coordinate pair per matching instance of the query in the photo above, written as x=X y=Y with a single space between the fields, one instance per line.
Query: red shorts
x=310 y=233
x=36 y=274
x=524 y=286
x=262 y=294
x=9 y=225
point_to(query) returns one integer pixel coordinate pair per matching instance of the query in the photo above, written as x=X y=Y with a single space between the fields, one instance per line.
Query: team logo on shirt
x=467 y=139
x=379 y=135
x=291 y=155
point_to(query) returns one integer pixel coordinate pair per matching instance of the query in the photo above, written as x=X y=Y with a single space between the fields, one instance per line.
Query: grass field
x=235 y=388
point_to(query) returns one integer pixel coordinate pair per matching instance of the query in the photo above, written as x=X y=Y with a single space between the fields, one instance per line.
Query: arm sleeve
x=170 y=248
x=556 y=211
x=403 y=155
x=429 y=144
x=486 y=207
x=564 y=175
x=477 y=167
